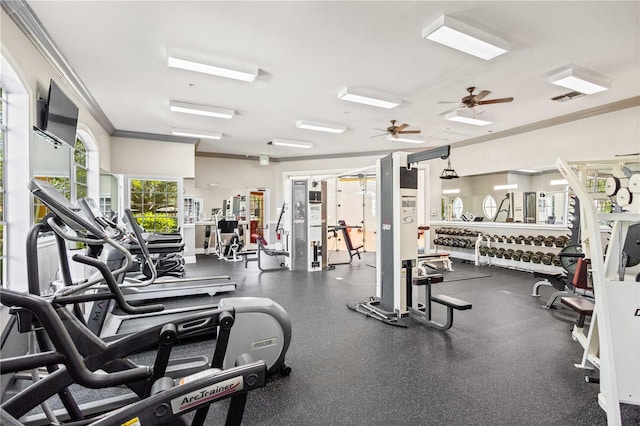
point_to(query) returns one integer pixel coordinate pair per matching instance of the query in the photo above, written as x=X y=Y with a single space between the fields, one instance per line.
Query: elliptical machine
x=264 y=327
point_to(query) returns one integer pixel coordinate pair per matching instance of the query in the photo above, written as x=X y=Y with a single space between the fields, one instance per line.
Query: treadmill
x=108 y=325
x=154 y=287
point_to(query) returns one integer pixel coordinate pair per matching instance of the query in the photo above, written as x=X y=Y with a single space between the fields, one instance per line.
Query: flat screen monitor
x=60 y=116
x=478 y=218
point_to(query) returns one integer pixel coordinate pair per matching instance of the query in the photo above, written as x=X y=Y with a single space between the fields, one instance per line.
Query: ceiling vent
x=568 y=96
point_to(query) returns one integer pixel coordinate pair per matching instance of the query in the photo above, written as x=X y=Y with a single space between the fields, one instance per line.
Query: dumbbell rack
x=614 y=334
x=460 y=242
x=532 y=253
x=478 y=232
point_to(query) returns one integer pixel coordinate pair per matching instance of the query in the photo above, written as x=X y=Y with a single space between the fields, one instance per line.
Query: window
x=154 y=203
x=80 y=169
x=457 y=207
x=489 y=207
x=3 y=130
x=105 y=205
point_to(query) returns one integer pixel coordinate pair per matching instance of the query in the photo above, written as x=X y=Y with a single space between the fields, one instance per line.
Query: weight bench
x=584 y=307
x=430 y=259
x=353 y=251
x=421 y=312
x=264 y=250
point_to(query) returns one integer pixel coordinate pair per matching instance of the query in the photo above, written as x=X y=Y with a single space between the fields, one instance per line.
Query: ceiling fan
x=472 y=101
x=395 y=131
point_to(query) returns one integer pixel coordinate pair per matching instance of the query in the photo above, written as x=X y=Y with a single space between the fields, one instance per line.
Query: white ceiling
x=307 y=51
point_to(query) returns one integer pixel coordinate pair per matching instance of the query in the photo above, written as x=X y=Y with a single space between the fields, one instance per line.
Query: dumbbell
x=508 y=254
x=491 y=252
x=537 y=241
x=483 y=250
x=561 y=241
x=517 y=255
x=556 y=261
x=547 y=258
x=500 y=253
x=548 y=242
x=526 y=256
x=537 y=257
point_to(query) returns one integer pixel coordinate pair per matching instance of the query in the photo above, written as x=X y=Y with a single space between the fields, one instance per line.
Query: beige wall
x=152 y=158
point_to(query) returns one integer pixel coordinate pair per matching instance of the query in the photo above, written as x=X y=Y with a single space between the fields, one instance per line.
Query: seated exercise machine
x=346 y=236
x=583 y=306
x=265 y=326
x=264 y=250
x=401 y=290
x=73 y=356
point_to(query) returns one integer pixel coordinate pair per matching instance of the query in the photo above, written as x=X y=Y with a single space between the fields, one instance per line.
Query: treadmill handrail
x=115 y=288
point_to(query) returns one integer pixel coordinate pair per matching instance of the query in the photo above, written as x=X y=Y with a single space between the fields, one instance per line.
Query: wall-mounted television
x=58 y=116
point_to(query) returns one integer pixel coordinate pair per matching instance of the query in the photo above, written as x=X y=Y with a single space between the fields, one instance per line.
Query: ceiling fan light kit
x=206 y=110
x=367 y=97
x=290 y=143
x=460 y=36
x=462 y=116
x=320 y=127
x=579 y=79
x=202 y=134
x=182 y=61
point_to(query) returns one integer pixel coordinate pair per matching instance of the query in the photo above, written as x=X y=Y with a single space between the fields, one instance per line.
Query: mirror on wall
x=509 y=196
x=50 y=161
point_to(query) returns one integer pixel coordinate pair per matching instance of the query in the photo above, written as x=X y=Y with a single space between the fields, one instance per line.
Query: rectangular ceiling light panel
x=450 y=191
x=206 y=110
x=507 y=186
x=578 y=79
x=292 y=143
x=404 y=139
x=460 y=36
x=321 y=127
x=182 y=61
x=366 y=97
x=462 y=116
x=559 y=182
x=196 y=133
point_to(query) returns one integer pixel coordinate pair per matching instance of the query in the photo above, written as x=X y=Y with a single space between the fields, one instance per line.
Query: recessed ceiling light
x=368 y=97
x=462 y=116
x=404 y=139
x=182 y=61
x=321 y=127
x=559 y=182
x=291 y=143
x=460 y=36
x=196 y=133
x=579 y=79
x=210 y=111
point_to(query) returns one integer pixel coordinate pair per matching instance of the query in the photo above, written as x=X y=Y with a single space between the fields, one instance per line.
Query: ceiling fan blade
x=481 y=95
x=380 y=130
x=377 y=136
x=495 y=101
x=448 y=102
x=402 y=127
x=408 y=131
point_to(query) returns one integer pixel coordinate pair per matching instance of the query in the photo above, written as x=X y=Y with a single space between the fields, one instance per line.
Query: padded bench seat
x=451 y=302
x=583 y=306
